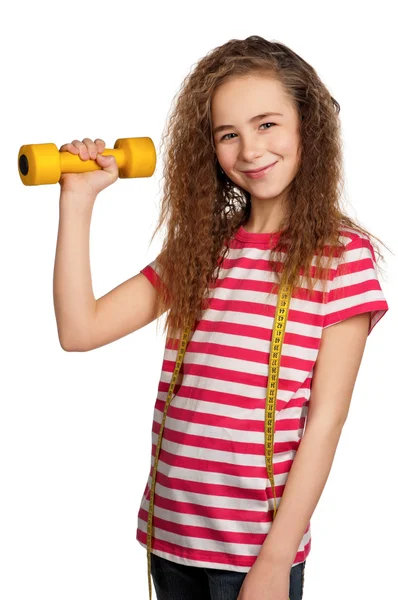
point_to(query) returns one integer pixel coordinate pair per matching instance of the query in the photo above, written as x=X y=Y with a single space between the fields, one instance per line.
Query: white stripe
x=194 y=521
x=207 y=544
x=237 y=275
x=349 y=279
x=238 y=412
x=231 y=340
x=221 y=432
x=311 y=307
x=238 y=365
x=208 y=477
x=208 y=454
x=215 y=501
x=352 y=301
x=260 y=321
x=263 y=254
x=227 y=387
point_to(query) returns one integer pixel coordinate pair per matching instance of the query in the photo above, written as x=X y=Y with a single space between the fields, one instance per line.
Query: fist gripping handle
x=40 y=164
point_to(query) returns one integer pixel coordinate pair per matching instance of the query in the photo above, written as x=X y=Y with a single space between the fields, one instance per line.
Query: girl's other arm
x=334 y=378
x=333 y=383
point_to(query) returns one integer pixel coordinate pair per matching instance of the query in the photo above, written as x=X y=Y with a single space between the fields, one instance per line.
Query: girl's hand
x=266 y=581
x=92 y=182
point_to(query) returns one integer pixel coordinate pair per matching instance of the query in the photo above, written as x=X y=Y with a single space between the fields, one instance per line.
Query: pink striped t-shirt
x=213 y=499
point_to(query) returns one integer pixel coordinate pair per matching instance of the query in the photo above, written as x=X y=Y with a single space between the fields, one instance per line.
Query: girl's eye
x=267 y=124
x=224 y=137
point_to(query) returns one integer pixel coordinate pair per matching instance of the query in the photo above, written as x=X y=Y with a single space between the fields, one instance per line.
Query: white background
x=75 y=427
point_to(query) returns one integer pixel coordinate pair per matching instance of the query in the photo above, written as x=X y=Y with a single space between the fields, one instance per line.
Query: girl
x=253 y=173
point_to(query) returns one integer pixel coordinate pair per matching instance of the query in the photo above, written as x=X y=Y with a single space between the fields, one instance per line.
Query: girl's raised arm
x=83 y=322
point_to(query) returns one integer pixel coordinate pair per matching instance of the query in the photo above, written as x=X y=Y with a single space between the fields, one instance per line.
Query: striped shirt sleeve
x=150 y=272
x=355 y=288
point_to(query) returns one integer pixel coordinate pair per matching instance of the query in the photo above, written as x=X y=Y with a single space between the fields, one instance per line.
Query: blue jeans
x=173 y=581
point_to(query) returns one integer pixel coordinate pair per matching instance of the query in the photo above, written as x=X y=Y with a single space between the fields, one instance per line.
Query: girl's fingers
x=86 y=148
x=100 y=145
x=82 y=149
x=91 y=148
x=69 y=148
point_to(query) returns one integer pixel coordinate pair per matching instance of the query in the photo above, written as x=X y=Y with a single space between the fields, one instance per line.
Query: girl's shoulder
x=353 y=244
x=350 y=235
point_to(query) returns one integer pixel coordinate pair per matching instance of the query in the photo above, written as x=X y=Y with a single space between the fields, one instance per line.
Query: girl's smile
x=260 y=172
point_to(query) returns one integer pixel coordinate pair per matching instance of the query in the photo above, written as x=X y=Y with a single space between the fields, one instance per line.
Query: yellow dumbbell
x=40 y=164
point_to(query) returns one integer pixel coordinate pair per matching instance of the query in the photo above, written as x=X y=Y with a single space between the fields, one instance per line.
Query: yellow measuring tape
x=278 y=332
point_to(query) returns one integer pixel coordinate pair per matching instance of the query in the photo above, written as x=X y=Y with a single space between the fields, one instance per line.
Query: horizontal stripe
x=218 y=395
x=253 y=260
x=206 y=533
x=208 y=472
x=220 y=431
x=215 y=444
x=239 y=377
x=265 y=292
x=259 y=325
x=206 y=468
x=209 y=489
x=253 y=389
x=226 y=336
x=192 y=515
x=260 y=309
x=377 y=310
x=349 y=288
x=207 y=424
x=210 y=559
x=199 y=350
x=200 y=543
x=221 y=404
x=230 y=519
x=247 y=334
x=243 y=461
x=221 y=502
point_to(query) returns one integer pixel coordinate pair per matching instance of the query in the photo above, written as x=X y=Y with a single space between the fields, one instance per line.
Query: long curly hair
x=203 y=208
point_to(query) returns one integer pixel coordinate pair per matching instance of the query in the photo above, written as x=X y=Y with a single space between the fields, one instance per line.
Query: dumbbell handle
x=72 y=163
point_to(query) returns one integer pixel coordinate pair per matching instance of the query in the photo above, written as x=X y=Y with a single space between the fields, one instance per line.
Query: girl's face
x=245 y=139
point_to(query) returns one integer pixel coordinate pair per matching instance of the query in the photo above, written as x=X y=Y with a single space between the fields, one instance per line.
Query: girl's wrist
x=276 y=561
x=82 y=203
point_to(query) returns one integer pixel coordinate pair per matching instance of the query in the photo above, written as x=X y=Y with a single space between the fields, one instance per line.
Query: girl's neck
x=265 y=216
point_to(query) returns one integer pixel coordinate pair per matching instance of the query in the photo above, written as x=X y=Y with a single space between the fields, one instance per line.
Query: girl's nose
x=250 y=151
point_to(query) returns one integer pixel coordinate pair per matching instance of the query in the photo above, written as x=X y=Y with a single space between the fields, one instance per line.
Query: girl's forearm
x=305 y=483
x=74 y=300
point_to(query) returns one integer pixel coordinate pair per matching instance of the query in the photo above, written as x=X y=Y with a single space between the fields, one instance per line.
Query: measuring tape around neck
x=282 y=309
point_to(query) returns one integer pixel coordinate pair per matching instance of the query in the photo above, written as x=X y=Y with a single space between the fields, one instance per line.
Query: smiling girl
x=253 y=173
